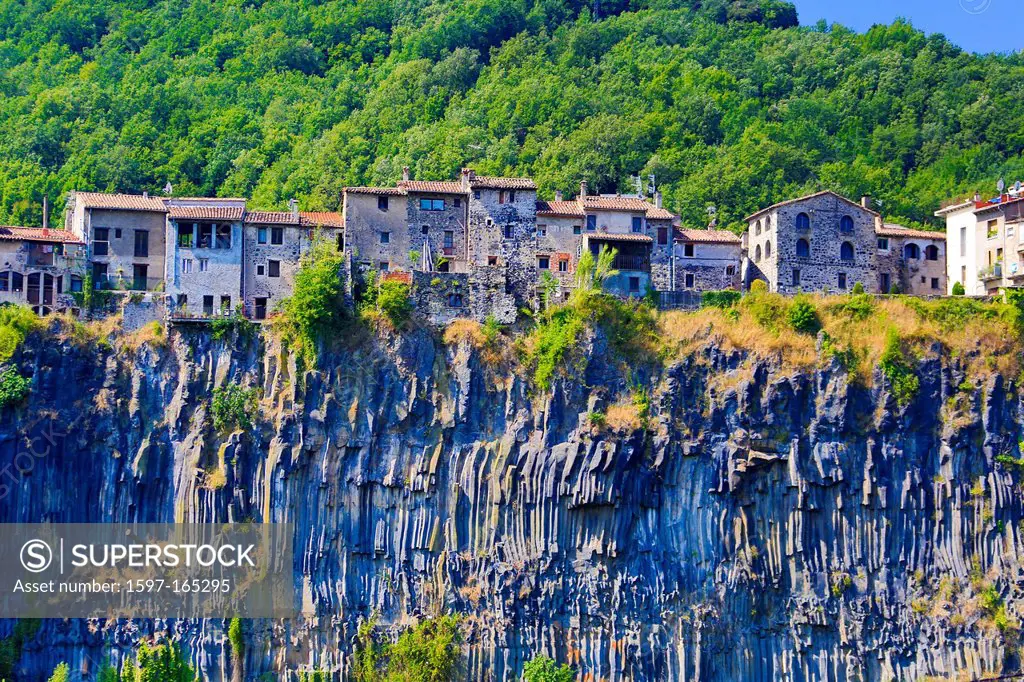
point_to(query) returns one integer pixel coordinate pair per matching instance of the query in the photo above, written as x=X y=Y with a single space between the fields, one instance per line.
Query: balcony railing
x=641 y=263
x=994 y=271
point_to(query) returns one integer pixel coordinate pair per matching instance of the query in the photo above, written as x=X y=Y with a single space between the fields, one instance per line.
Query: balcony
x=994 y=271
x=633 y=263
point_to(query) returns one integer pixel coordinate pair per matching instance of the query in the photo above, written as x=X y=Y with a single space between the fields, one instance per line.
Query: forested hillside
x=727 y=103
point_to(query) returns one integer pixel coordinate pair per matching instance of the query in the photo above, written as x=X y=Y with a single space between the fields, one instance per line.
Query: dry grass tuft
x=153 y=334
x=623 y=416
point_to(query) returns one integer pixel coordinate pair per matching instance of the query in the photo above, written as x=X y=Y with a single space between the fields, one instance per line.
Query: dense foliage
x=427 y=652
x=730 y=104
x=543 y=669
x=233 y=407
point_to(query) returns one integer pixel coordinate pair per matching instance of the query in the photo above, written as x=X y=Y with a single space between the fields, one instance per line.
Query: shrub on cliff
x=15 y=324
x=897 y=370
x=958 y=289
x=317 y=300
x=803 y=316
x=543 y=669
x=13 y=387
x=161 y=663
x=232 y=407
x=427 y=652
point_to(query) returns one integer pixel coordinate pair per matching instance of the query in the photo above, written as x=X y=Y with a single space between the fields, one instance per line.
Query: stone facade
x=126 y=238
x=41 y=268
x=476 y=295
x=707 y=260
x=915 y=259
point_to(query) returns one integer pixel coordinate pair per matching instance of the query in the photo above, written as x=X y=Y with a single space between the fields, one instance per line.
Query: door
x=139 y=276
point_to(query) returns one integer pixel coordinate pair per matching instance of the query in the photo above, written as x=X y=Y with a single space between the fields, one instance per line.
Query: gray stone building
x=707 y=260
x=204 y=255
x=915 y=259
x=273 y=244
x=125 y=234
x=41 y=268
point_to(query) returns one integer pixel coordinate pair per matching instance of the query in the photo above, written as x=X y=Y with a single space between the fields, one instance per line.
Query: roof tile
x=894 y=230
x=389 y=191
x=37 y=234
x=271 y=218
x=431 y=186
x=231 y=213
x=322 y=219
x=708 y=236
x=486 y=182
x=560 y=208
x=123 y=202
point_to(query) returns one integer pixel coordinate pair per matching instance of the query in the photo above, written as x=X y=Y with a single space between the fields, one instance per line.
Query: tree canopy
x=726 y=102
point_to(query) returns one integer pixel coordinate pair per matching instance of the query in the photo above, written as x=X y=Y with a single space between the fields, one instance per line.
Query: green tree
x=543 y=669
x=60 y=674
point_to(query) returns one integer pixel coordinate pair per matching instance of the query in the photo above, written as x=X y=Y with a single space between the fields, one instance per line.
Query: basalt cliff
x=758 y=523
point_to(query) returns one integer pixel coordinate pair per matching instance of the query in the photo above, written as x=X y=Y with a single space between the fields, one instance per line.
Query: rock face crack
x=779 y=526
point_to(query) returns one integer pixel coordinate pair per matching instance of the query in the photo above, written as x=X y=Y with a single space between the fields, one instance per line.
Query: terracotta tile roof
x=322 y=219
x=122 y=202
x=431 y=187
x=486 y=182
x=894 y=230
x=809 y=196
x=231 y=213
x=271 y=218
x=631 y=204
x=617 y=237
x=560 y=208
x=707 y=236
x=37 y=234
x=389 y=191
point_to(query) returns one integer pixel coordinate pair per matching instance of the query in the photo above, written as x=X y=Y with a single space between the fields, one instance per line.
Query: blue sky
x=974 y=25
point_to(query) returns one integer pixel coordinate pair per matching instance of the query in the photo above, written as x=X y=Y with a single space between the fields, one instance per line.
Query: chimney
x=558 y=195
x=465 y=179
x=145 y=194
x=405 y=174
x=46 y=213
x=293 y=206
x=865 y=201
x=657 y=199
x=583 y=189
x=977 y=197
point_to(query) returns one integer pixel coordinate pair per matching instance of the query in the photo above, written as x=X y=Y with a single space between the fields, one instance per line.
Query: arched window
x=911 y=251
x=846 y=251
x=846 y=224
x=757 y=228
x=767 y=249
x=803 y=248
x=757 y=254
x=931 y=252
x=803 y=222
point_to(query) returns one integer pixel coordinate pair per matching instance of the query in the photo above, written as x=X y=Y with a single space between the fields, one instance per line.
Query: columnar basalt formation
x=765 y=524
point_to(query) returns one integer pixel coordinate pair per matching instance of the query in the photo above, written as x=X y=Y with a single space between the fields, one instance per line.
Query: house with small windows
x=915 y=260
x=125 y=234
x=707 y=260
x=986 y=251
x=41 y=268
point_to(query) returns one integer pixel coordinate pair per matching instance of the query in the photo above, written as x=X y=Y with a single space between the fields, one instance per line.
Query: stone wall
x=364 y=222
x=445 y=296
x=139 y=310
x=915 y=276
x=516 y=254
x=433 y=225
x=709 y=266
x=222 y=278
x=661 y=254
x=120 y=258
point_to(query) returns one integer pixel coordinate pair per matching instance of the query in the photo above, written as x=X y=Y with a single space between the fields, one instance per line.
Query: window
x=99 y=277
x=205 y=235
x=382 y=203
x=931 y=252
x=76 y=283
x=563 y=266
x=261 y=270
x=577 y=229
x=455 y=300
x=142 y=243
x=796 y=277
x=385 y=237
x=591 y=222
x=384 y=266
x=425 y=230
x=501 y=196
x=846 y=251
x=963 y=241
x=543 y=263
x=431 y=204
x=341 y=241
x=185 y=235
x=757 y=228
x=803 y=248
x=277 y=236
x=511 y=196
x=476 y=194
x=662 y=236
x=542 y=230
x=688 y=250
x=508 y=232
x=842 y=280
x=634 y=285
x=260 y=307
x=186 y=266
x=273 y=268
x=911 y=251
x=457 y=202
x=803 y=221
x=223 y=236
x=204 y=264
x=935 y=282
x=884 y=282
x=492 y=261
x=261 y=235
x=449 y=239
x=208 y=305
x=757 y=254
x=846 y=224
x=963 y=274
x=993 y=229
x=730 y=270
x=638 y=224
x=1009 y=230
x=883 y=243
x=5 y=280
x=767 y=249
x=100 y=241
x=225 y=304
x=689 y=280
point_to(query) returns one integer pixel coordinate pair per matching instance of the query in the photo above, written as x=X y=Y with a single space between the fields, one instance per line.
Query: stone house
x=987 y=251
x=915 y=259
x=559 y=232
x=707 y=260
x=273 y=242
x=125 y=234
x=204 y=255
x=41 y=268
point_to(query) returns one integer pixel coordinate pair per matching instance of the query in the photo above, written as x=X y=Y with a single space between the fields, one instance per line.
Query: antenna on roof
x=1001 y=185
x=168 y=189
x=654 y=189
x=712 y=216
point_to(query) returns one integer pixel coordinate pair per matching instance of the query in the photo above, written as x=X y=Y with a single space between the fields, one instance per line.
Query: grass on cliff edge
x=861 y=330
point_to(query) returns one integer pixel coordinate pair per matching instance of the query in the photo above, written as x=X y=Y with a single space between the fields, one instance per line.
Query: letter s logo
x=36 y=556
